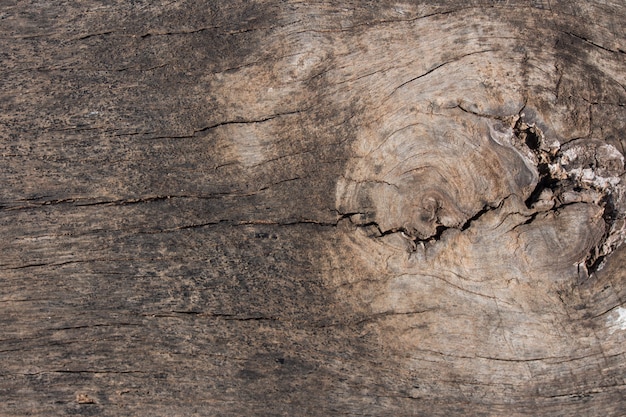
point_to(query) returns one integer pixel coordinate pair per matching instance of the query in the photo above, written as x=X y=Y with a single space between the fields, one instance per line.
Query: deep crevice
x=409 y=235
x=532 y=137
x=487 y=208
x=555 y=181
x=560 y=184
x=546 y=182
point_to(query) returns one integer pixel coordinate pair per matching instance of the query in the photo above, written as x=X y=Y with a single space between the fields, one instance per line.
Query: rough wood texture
x=312 y=208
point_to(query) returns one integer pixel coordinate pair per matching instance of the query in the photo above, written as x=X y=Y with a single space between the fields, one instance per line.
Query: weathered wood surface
x=312 y=208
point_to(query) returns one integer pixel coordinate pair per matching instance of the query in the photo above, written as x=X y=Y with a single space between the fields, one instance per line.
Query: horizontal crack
x=236 y=121
x=223 y=316
x=88 y=326
x=587 y=393
x=87 y=202
x=409 y=235
x=430 y=71
x=590 y=42
x=87 y=371
x=92 y=35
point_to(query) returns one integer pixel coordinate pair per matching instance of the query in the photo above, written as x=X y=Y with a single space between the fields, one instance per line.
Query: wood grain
x=321 y=208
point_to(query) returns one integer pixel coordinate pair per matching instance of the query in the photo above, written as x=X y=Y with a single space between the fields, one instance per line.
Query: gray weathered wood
x=312 y=208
